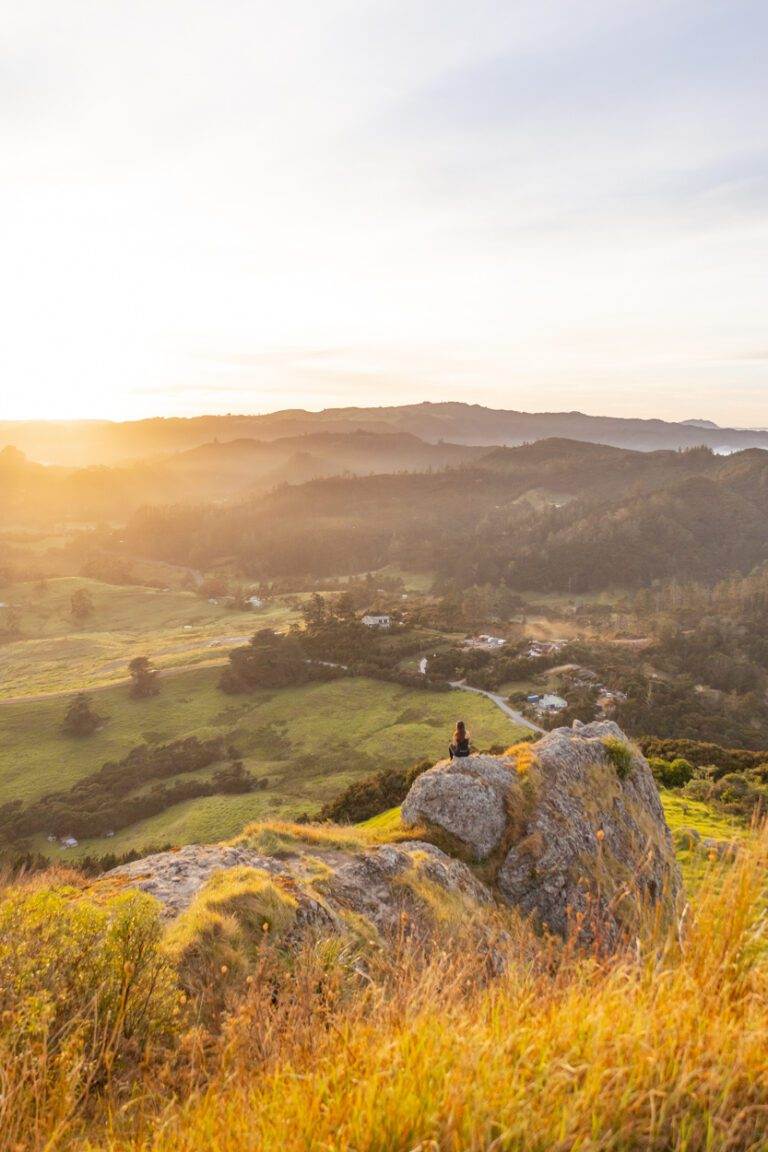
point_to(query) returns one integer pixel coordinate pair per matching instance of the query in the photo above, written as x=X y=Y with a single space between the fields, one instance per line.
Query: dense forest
x=551 y=516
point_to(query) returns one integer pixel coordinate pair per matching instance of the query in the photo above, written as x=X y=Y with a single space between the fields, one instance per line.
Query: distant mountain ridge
x=98 y=442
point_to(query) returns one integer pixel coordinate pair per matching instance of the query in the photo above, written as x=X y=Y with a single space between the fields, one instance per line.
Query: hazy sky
x=210 y=205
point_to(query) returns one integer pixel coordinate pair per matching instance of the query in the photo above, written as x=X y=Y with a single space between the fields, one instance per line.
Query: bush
x=620 y=755
x=85 y=992
x=373 y=795
x=671 y=773
x=81 y=718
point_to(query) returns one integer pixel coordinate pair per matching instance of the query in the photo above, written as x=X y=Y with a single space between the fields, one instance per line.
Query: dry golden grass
x=281 y=838
x=661 y=1048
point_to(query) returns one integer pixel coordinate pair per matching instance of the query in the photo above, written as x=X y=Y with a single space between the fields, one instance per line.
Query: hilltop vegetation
x=612 y=517
x=44 y=494
x=210 y=1033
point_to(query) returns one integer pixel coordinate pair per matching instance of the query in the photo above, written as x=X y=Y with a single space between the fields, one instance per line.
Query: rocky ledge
x=569 y=830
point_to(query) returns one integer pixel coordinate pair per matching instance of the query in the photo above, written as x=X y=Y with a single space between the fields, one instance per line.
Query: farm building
x=552 y=703
x=377 y=620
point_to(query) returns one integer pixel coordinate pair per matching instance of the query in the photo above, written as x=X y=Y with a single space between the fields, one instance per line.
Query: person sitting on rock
x=459 y=746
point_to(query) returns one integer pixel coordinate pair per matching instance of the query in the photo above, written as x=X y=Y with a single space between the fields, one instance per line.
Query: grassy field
x=413 y=581
x=683 y=814
x=56 y=653
x=309 y=742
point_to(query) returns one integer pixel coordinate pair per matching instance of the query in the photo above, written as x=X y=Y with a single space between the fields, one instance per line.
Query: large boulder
x=570 y=829
x=467 y=798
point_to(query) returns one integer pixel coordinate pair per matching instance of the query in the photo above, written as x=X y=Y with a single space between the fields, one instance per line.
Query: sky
x=241 y=206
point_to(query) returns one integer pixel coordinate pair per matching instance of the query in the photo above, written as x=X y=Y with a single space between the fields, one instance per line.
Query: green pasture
x=309 y=743
x=56 y=653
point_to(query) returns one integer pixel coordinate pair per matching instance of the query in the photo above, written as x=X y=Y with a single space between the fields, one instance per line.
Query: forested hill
x=37 y=493
x=556 y=514
x=100 y=442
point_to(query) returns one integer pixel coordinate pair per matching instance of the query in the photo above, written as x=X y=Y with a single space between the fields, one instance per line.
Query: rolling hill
x=77 y=443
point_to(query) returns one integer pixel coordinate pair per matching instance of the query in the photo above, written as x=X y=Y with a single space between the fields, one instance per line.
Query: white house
x=551 y=703
x=377 y=620
x=487 y=643
x=255 y=602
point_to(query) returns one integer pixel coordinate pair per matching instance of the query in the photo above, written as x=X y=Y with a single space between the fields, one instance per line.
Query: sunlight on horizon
x=242 y=209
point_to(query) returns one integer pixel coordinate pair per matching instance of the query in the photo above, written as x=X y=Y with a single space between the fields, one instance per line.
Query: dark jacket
x=459 y=749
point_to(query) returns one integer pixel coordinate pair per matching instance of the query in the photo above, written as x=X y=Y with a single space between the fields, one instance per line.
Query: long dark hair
x=460 y=733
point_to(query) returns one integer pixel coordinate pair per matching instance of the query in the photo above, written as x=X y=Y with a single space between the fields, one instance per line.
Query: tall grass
x=660 y=1048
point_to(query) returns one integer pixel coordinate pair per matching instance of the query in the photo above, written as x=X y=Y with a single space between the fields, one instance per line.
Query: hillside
x=629 y=518
x=293 y=741
x=288 y=989
x=212 y=471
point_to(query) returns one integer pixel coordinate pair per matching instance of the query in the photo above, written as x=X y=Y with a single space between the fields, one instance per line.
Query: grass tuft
x=620 y=755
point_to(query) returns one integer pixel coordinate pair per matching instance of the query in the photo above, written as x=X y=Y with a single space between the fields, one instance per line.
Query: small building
x=552 y=703
x=377 y=620
x=538 y=648
x=255 y=602
x=485 y=642
x=69 y=842
x=607 y=700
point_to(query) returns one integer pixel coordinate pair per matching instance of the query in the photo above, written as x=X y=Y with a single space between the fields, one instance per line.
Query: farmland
x=308 y=742
x=55 y=653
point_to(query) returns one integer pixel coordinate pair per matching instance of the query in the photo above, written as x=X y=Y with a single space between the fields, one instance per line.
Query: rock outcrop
x=326 y=885
x=467 y=798
x=569 y=831
x=570 y=828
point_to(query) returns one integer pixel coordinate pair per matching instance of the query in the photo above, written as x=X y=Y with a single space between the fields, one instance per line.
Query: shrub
x=373 y=795
x=620 y=755
x=81 y=718
x=671 y=773
x=144 y=678
x=85 y=993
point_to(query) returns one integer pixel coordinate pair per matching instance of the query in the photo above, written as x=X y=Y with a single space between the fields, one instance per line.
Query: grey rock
x=371 y=883
x=586 y=852
x=175 y=878
x=466 y=798
x=722 y=849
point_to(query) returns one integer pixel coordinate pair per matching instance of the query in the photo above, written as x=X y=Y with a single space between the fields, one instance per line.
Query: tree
x=81 y=604
x=270 y=660
x=144 y=678
x=80 y=718
x=234 y=779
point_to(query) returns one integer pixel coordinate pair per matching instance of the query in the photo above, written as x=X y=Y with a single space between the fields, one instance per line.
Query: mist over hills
x=556 y=514
x=83 y=442
x=213 y=471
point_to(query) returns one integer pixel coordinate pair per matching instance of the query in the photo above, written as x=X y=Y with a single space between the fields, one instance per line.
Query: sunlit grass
x=176 y=628
x=662 y=1047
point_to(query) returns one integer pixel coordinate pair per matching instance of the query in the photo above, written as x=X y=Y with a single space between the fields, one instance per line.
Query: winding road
x=494 y=698
x=500 y=703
